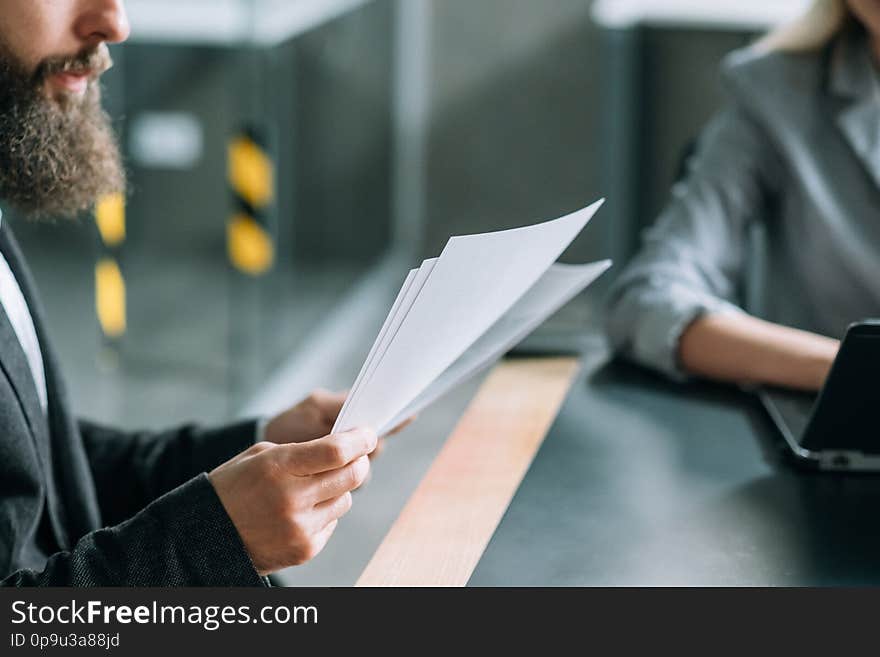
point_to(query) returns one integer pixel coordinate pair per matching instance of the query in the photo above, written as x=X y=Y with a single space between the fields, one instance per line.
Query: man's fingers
x=380 y=447
x=333 y=509
x=329 y=404
x=403 y=425
x=328 y=453
x=312 y=548
x=329 y=485
x=320 y=539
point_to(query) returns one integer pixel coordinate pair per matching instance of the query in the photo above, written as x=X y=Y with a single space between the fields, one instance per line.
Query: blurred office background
x=392 y=125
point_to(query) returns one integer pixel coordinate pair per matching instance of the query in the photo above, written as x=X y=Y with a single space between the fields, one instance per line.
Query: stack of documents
x=460 y=312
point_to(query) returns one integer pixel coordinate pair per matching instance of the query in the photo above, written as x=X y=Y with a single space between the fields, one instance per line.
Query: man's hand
x=313 y=417
x=285 y=500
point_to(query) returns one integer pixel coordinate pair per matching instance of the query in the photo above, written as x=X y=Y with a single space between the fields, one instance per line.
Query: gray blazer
x=797 y=151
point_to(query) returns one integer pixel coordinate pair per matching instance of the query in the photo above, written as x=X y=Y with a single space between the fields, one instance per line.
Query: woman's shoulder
x=779 y=91
x=753 y=74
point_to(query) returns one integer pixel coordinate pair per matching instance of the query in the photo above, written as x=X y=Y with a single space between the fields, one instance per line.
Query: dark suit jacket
x=84 y=505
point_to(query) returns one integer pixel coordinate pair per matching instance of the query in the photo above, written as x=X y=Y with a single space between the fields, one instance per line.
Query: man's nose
x=102 y=21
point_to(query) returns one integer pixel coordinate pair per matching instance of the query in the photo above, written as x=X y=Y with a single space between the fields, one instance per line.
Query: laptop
x=838 y=429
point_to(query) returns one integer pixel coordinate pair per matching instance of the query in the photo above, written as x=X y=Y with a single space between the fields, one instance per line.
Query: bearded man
x=84 y=505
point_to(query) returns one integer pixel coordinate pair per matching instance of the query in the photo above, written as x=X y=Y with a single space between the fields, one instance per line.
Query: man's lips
x=72 y=82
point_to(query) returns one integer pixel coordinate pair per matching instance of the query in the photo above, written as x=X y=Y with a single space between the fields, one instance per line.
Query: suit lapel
x=860 y=123
x=16 y=368
x=854 y=81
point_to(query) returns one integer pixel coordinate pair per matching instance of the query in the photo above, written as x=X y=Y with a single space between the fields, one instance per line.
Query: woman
x=798 y=151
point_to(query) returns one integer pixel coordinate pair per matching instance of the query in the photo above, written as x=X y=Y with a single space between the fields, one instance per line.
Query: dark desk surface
x=646 y=482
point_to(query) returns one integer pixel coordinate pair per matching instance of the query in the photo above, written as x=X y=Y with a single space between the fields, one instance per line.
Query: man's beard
x=57 y=156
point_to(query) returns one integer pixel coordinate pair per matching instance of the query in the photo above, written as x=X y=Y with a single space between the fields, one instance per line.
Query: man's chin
x=66 y=98
x=58 y=151
x=59 y=158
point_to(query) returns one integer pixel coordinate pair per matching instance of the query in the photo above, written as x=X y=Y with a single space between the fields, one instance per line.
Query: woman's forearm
x=745 y=349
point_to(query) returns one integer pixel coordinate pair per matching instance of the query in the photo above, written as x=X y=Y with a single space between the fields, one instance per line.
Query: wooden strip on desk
x=441 y=534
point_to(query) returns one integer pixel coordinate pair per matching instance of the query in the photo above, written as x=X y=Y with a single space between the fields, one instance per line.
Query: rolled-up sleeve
x=692 y=260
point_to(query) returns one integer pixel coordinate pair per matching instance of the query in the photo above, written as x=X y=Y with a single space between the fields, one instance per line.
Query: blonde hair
x=811 y=31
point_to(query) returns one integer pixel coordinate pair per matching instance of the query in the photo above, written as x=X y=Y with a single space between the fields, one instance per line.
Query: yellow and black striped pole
x=250 y=234
x=109 y=283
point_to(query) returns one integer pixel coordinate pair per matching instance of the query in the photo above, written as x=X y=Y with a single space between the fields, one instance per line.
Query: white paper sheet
x=385 y=326
x=559 y=285
x=423 y=273
x=463 y=293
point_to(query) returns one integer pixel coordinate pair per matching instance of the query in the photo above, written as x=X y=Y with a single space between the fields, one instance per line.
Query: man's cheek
x=26 y=60
x=22 y=67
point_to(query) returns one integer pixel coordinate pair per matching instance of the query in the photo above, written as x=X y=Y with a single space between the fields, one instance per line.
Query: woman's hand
x=743 y=349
